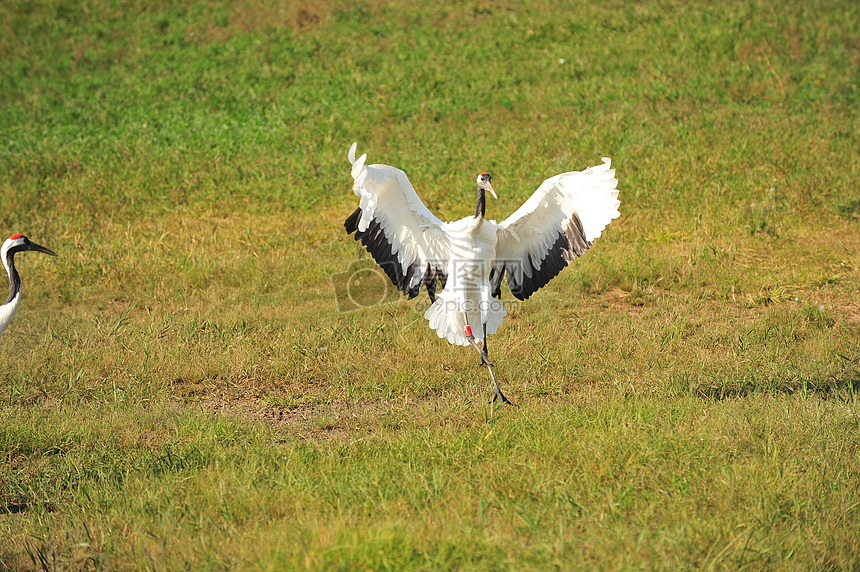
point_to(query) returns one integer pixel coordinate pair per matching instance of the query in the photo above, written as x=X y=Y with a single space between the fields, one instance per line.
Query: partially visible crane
x=13 y=245
x=471 y=256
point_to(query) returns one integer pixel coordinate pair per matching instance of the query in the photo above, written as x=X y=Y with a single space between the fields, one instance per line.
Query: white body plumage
x=467 y=297
x=8 y=311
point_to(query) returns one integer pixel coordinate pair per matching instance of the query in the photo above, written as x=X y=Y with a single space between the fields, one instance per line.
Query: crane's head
x=20 y=243
x=485 y=185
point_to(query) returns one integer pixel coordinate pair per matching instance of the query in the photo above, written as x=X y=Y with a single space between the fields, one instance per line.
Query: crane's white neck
x=8 y=256
x=4 y=255
x=10 y=307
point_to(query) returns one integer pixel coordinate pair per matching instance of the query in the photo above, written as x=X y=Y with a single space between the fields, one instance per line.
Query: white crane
x=13 y=245
x=471 y=256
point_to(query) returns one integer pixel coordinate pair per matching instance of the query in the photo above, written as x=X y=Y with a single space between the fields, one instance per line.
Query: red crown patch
x=16 y=236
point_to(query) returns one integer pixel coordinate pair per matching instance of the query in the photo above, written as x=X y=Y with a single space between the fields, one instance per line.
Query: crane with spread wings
x=471 y=257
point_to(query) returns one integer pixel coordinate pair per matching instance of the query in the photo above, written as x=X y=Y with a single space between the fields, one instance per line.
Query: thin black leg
x=484 y=346
x=484 y=357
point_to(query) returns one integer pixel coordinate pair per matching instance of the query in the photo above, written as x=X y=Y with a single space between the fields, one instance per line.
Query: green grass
x=179 y=389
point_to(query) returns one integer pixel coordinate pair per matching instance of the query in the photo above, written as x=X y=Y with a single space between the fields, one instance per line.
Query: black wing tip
x=571 y=243
x=496 y=277
x=351 y=223
x=377 y=244
x=577 y=244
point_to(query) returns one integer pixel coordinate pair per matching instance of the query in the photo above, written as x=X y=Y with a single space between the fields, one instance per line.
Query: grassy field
x=179 y=390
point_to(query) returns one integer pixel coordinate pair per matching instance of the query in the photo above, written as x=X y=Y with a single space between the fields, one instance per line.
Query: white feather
x=527 y=235
x=388 y=197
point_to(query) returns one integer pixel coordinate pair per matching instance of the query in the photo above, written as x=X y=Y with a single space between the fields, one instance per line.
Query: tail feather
x=447 y=317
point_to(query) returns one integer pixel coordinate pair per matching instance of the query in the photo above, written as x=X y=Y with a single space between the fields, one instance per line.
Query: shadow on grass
x=14 y=507
x=845 y=388
x=23 y=506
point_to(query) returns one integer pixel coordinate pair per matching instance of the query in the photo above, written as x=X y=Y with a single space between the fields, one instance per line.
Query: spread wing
x=559 y=221
x=398 y=230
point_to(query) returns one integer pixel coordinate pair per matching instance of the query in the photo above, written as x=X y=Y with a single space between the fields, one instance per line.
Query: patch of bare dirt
x=339 y=419
x=350 y=419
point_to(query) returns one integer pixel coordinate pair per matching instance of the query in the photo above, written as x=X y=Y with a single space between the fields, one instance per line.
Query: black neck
x=481 y=208
x=14 y=279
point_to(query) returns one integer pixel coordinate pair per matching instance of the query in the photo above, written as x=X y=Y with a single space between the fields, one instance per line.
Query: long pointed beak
x=492 y=191
x=39 y=248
